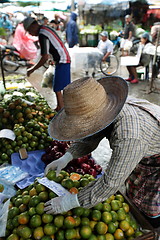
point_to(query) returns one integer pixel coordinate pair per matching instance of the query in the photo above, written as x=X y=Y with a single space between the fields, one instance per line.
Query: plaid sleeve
x=125 y=157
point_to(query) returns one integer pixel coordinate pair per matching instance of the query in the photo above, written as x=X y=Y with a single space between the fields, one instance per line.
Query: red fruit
x=92 y=172
x=91 y=162
x=80 y=160
x=80 y=171
x=85 y=167
x=98 y=168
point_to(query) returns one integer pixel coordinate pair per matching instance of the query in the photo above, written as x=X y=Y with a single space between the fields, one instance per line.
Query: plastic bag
x=11 y=174
x=3 y=217
x=48 y=77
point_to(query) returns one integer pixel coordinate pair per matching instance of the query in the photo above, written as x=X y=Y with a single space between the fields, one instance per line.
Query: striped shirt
x=134 y=135
x=51 y=43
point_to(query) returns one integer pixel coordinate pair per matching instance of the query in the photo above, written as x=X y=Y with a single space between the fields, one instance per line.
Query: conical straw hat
x=89 y=106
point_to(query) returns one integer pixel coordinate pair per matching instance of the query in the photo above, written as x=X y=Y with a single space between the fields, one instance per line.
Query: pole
x=2 y=70
x=154 y=70
x=72 y=6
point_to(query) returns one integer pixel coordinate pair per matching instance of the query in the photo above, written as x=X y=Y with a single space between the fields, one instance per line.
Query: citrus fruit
x=32 y=211
x=75 y=176
x=38 y=233
x=133 y=224
x=92 y=237
x=43 y=196
x=124 y=225
x=32 y=192
x=51 y=175
x=84 y=221
x=77 y=221
x=49 y=229
x=40 y=188
x=125 y=207
x=13 y=211
x=34 y=201
x=114 y=216
x=70 y=234
x=84 y=182
x=101 y=228
x=119 y=197
x=111 y=227
x=118 y=235
x=69 y=183
x=85 y=232
x=96 y=215
x=114 y=205
x=106 y=217
x=69 y=222
x=92 y=224
x=106 y=207
x=26 y=199
x=101 y=237
x=60 y=234
x=15 y=221
x=121 y=214
x=47 y=218
x=58 y=221
x=129 y=232
x=26 y=233
x=109 y=236
x=138 y=233
x=78 y=211
x=98 y=206
x=86 y=212
x=23 y=207
x=73 y=190
x=23 y=218
x=40 y=208
x=35 y=221
x=13 y=236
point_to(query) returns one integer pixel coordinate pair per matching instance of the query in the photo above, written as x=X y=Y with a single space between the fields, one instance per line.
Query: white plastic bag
x=3 y=217
x=48 y=77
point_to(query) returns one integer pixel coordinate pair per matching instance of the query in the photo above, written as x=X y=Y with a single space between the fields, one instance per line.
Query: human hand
x=61 y=204
x=29 y=71
x=59 y=163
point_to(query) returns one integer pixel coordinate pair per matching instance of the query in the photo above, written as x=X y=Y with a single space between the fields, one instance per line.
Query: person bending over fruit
x=97 y=109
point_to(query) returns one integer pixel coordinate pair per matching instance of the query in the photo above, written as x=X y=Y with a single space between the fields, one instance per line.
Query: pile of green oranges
x=28 y=117
x=108 y=220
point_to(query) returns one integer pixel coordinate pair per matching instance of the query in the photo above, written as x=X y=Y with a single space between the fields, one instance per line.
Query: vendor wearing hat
x=51 y=44
x=105 y=45
x=95 y=109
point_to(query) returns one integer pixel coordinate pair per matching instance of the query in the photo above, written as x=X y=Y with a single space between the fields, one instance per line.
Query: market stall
x=26 y=149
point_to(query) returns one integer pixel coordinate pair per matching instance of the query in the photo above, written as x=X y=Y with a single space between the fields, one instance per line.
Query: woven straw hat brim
x=64 y=127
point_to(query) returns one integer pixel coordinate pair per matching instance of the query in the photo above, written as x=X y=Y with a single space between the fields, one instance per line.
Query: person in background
x=154 y=32
x=25 y=43
x=45 y=21
x=129 y=34
x=144 y=59
x=55 y=23
x=50 y=43
x=105 y=45
x=72 y=31
x=100 y=110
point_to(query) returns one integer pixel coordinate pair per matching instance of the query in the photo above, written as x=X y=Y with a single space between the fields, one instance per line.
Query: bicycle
x=110 y=66
x=11 y=59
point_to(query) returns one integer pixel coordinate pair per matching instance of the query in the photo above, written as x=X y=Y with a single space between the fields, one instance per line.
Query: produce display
x=27 y=113
x=82 y=165
x=108 y=220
